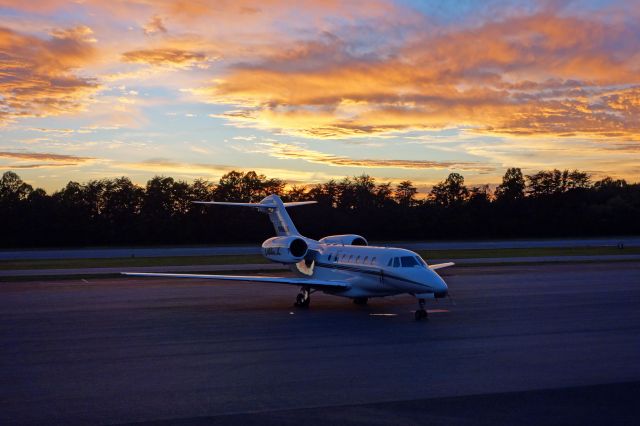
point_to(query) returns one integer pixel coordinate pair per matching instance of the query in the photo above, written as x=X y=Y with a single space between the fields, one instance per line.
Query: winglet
x=441 y=265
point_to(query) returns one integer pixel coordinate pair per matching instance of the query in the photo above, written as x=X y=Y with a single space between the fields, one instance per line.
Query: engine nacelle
x=345 y=240
x=285 y=249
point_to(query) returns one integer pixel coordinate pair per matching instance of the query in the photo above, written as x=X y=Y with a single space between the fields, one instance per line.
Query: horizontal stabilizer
x=441 y=265
x=299 y=203
x=226 y=203
x=274 y=207
x=256 y=205
x=320 y=284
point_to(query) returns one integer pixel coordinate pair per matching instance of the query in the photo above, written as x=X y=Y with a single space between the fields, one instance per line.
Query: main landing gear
x=362 y=301
x=303 y=298
x=421 y=313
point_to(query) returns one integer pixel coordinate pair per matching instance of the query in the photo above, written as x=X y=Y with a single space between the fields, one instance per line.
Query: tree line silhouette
x=550 y=203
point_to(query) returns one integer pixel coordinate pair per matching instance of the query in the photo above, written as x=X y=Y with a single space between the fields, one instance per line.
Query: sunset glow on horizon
x=314 y=90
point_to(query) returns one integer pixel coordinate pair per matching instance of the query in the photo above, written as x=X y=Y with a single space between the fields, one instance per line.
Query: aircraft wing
x=441 y=265
x=320 y=284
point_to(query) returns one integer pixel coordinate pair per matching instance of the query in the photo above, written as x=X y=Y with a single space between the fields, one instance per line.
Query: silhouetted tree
x=451 y=191
x=327 y=194
x=384 y=195
x=159 y=198
x=247 y=187
x=297 y=193
x=363 y=188
x=116 y=211
x=479 y=195
x=202 y=190
x=405 y=194
x=512 y=186
x=548 y=182
x=360 y=192
x=13 y=189
x=608 y=183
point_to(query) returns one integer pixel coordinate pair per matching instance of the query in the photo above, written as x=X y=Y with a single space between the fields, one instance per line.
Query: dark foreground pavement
x=585 y=405
x=546 y=344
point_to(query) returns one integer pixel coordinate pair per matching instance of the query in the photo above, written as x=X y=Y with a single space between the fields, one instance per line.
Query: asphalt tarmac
x=539 y=344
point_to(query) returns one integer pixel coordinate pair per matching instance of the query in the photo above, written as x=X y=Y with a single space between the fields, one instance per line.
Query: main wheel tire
x=301 y=301
x=420 y=314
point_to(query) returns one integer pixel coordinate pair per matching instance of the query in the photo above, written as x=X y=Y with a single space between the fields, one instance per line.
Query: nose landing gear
x=303 y=298
x=361 y=301
x=421 y=313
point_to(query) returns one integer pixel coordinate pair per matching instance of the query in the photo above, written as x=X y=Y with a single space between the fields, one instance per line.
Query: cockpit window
x=421 y=261
x=396 y=262
x=409 y=261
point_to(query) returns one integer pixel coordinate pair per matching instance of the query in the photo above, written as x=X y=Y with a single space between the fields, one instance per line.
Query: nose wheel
x=303 y=298
x=361 y=301
x=421 y=313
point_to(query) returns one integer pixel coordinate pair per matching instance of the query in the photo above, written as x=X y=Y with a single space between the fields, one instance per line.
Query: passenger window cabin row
x=395 y=262
x=350 y=258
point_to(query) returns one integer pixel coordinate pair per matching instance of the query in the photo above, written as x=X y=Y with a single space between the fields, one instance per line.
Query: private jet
x=340 y=265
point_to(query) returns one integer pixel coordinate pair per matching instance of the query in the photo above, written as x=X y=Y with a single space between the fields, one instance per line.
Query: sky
x=312 y=90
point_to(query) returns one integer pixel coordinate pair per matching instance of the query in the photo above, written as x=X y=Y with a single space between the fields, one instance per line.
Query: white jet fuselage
x=372 y=271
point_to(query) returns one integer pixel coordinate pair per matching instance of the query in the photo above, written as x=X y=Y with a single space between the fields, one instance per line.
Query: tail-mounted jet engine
x=289 y=249
x=345 y=240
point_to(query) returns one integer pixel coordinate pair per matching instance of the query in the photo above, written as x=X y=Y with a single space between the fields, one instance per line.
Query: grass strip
x=525 y=252
x=130 y=261
x=258 y=259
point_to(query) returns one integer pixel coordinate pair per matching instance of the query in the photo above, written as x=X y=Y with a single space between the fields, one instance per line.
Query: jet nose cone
x=440 y=287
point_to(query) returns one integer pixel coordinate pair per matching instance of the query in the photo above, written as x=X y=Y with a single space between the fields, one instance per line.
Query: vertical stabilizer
x=278 y=215
x=275 y=208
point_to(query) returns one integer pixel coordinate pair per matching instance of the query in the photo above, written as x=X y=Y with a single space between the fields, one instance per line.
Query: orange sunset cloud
x=36 y=75
x=539 y=75
x=289 y=151
x=440 y=87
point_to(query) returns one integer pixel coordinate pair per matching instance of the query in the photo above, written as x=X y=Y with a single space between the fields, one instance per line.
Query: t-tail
x=275 y=208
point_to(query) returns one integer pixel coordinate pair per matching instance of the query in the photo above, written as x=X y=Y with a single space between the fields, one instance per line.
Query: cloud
x=43 y=160
x=529 y=77
x=162 y=165
x=42 y=156
x=536 y=75
x=48 y=130
x=36 y=75
x=168 y=57
x=79 y=33
x=37 y=166
x=215 y=171
x=599 y=157
x=290 y=152
x=154 y=26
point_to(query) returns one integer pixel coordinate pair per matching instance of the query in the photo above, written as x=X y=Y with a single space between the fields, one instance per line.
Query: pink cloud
x=36 y=75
